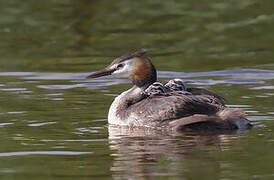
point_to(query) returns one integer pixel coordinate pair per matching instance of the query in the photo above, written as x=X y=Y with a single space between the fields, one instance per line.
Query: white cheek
x=125 y=71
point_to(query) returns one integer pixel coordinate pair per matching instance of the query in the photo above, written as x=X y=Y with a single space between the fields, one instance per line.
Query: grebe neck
x=118 y=113
x=131 y=96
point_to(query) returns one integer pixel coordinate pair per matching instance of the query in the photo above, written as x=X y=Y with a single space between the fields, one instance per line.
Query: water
x=53 y=121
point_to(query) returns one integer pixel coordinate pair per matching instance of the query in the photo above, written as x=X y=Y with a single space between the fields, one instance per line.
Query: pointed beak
x=104 y=72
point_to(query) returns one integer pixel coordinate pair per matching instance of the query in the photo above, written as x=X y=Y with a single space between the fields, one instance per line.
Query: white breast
x=112 y=115
x=117 y=106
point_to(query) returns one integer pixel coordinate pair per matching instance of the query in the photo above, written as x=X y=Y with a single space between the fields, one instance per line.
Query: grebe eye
x=120 y=66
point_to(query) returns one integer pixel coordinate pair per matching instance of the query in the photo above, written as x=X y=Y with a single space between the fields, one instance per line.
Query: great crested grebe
x=173 y=106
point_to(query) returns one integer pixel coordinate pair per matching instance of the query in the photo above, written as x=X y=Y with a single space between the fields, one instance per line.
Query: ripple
x=229 y=81
x=91 y=84
x=232 y=72
x=16 y=112
x=26 y=92
x=5 y=124
x=24 y=153
x=55 y=94
x=261 y=96
x=56 y=76
x=60 y=86
x=262 y=87
x=13 y=89
x=16 y=73
x=6 y=170
x=73 y=140
x=86 y=130
x=41 y=124
x=20 y=138
x=57 y=99
x=259 y=118
x=238 y=106
x=224 y=26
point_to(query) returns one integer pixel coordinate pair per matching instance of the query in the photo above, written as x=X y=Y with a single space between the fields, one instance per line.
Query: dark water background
x=53 y=121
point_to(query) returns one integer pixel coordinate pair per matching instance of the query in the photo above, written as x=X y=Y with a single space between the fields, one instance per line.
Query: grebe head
x=134 y=66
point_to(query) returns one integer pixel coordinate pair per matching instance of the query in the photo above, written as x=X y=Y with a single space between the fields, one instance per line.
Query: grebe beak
x=104 y=72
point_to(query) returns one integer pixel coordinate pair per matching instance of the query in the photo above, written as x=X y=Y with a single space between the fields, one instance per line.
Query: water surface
x=53 y=121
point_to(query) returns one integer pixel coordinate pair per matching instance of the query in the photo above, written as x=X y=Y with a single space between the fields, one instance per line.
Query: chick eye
x=120 y=66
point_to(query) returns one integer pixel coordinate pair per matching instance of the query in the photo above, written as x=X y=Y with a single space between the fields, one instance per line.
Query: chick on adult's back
x=191 y=108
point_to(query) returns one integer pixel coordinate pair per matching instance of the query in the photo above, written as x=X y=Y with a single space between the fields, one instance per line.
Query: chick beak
x=104 y=72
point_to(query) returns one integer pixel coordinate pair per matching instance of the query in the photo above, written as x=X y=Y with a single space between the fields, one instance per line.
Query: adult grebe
x=190 y=108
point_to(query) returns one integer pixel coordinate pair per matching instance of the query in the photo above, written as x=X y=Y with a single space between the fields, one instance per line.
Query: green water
x=53 y=121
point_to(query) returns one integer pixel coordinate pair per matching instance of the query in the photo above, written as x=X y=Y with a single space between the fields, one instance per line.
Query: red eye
x=120 y=66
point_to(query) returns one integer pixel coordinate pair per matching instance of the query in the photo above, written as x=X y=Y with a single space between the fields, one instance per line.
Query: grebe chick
x=176 y=85
x=179 y=85
x=156 y=88
x=195 y=109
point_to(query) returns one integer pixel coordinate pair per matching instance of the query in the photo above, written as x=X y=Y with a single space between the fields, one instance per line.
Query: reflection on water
x=141 y=153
